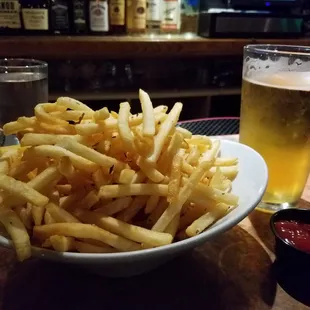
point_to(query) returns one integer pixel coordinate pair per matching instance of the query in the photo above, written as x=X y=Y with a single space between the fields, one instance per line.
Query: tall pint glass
x=275 y=118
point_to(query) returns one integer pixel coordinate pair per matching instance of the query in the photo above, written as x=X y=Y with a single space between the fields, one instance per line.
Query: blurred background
x=102 y=52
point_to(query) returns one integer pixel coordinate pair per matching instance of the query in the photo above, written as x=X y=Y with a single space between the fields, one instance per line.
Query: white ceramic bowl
x=249 y=185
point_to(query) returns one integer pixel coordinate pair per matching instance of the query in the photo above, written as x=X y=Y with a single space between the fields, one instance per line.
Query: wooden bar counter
x=129 y=46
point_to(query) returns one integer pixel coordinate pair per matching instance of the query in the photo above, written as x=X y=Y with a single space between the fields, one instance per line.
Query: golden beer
x=275 y=121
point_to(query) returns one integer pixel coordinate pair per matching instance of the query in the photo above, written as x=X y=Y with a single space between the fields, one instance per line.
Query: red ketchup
x=296 y=233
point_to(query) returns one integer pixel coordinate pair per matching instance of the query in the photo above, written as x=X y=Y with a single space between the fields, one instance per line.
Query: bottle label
x=99 y=16
x=35 y=19
x=153 y=10
x=60 y=18
x=171 y=15
x=117 y=12
x=139 y=14
x=9 y=14
x=79 y=14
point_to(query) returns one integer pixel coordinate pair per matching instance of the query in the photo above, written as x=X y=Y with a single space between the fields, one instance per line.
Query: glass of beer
x=275 y=118
x=23 y=84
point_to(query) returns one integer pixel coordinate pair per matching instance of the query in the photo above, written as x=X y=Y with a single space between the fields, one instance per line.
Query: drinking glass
x=23 y=84
x=275 y=118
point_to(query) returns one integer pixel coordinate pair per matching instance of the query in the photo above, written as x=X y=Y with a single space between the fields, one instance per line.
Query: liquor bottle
x=35 y=16
x=10 y=21
x=59 y=16
x=153 y=15
x=171 y=18
x=136 y=16
x=117 y=16
x=79 y=17
x=98 y=16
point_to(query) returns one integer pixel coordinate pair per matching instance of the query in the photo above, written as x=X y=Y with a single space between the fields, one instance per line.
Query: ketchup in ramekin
x=295 y=233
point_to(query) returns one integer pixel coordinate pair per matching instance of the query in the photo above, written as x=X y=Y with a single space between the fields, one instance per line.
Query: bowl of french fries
x=119 y=193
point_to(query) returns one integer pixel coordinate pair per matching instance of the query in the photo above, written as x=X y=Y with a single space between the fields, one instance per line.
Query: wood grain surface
x=128 y=46
x=233 y=271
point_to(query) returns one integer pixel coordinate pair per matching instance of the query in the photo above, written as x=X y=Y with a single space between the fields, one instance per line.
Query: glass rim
x=32 y=63
x=278 y=49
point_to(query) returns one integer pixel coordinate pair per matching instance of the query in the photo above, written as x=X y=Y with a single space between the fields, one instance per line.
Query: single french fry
x=89 y=200
x=184 y=132
x=115 y=206
x=101 y=114
x=215 y=194
x=64 y=189
x=24 y=213
x=129 y=231
x=62 y=243
x=17 y=232
x=166 y=157
x=56 y=129
x=123 y=127
x=157 y=212
x=52 y=108
x=79 y=231
x=148 y=114
x=69 y=202
x=152 y=203
x=151 y=172
x=230 y=172
x=136 y=205
x=48 y=219
x=193 y=156
x=45 y=117
x=72 y=104
x=225 y=162
x=139 y=177
x=126 y=176
x=13 y=128
x=175 y=176
x=192 y=213
x=57 y=152
x=60 y=215
x=114 y=191
x=74 y=116
x=91 y=155
x=33 y=139
x=176 y=205
x=172 y=228
x=164 y=130
x=206 y=220
x=37 y=214
x=22 y=191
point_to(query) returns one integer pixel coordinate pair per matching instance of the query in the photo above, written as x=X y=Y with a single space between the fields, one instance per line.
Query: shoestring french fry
x=123 y=127
x=78 y=230
x=148 y=114
x=164 y=131
x=99 y=181
x=175 y=206
x=206 y=220
x=129 y=213
x=62 y=243
x=115 y=206
x=129 y=231
x=115 y=191
x=18 y=233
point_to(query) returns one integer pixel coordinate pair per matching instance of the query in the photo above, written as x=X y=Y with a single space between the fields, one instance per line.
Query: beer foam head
x=288 y=80
x=283 y=72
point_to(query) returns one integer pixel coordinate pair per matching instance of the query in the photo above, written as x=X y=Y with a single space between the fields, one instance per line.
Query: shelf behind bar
x=73 y=47
x=109 y=95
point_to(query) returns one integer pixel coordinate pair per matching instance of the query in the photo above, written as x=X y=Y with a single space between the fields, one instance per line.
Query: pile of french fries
x=103 y=182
